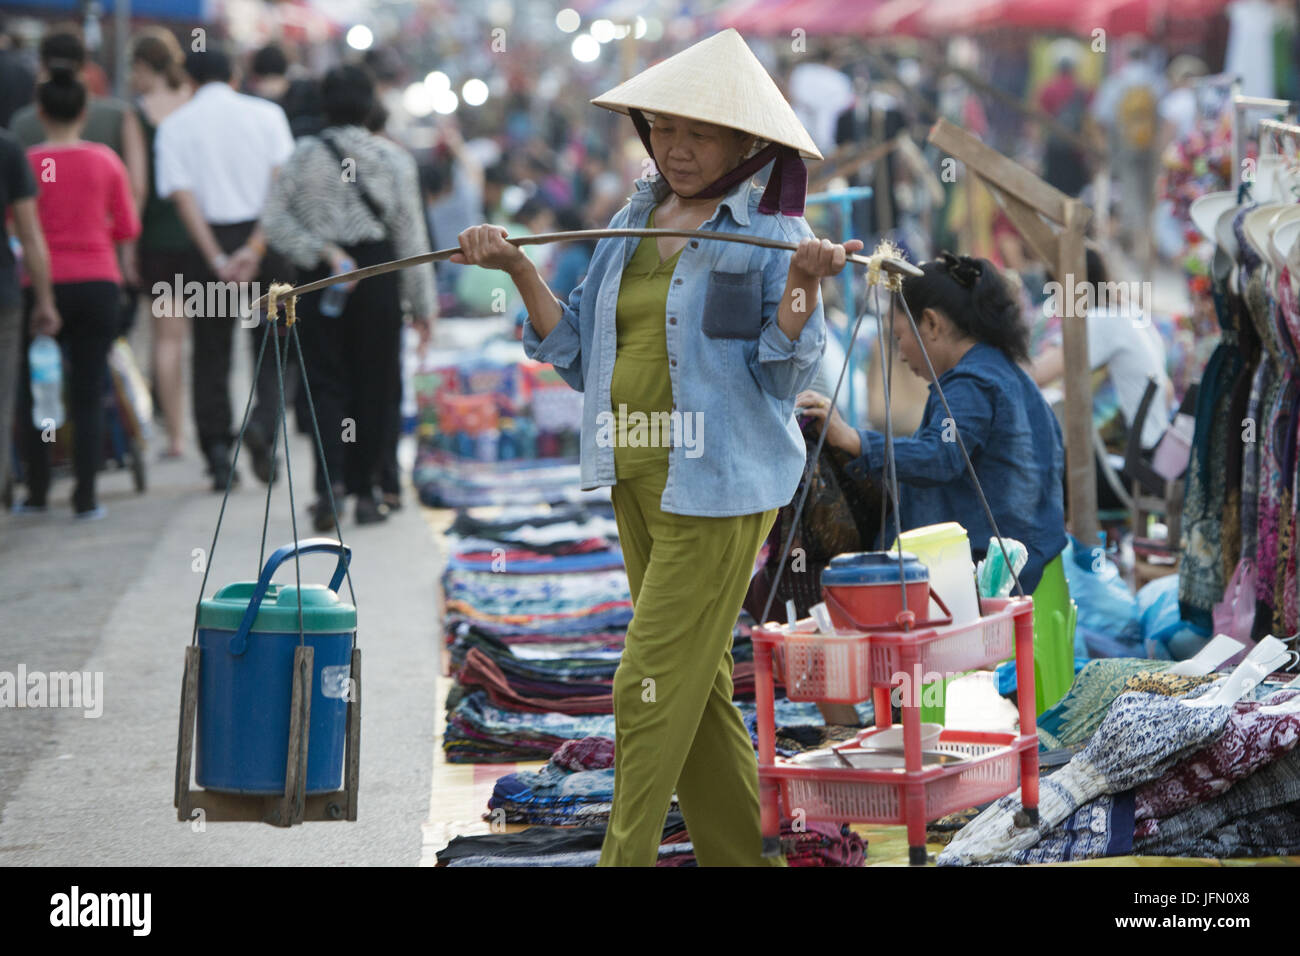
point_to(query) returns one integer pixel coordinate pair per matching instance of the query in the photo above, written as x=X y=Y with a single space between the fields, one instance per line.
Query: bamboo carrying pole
x=893 y=266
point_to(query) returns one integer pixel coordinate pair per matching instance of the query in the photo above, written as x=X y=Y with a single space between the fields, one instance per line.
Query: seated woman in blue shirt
x=972 y=330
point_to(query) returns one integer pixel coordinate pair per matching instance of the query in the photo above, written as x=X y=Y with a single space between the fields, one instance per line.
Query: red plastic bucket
x=862 y=591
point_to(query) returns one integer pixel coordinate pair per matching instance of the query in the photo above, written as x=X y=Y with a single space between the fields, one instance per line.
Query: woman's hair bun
x=975 y=298
x=965 y=270
x=62 y=70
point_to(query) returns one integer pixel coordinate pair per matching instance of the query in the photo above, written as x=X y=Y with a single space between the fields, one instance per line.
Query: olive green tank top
x=641 y=393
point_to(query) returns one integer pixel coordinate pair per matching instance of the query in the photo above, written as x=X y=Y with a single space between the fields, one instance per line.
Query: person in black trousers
x=87 y=213
x=216 y=157
x=345 y=199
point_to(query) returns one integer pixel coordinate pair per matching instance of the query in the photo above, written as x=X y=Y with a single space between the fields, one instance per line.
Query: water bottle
x=486 y=447
x=507 y=448
x=336 y=296
x=46 y=361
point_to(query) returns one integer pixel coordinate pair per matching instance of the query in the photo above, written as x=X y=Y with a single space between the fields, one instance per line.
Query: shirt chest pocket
x=733 y=305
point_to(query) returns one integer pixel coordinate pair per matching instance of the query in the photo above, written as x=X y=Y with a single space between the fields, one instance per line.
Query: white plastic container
x=945 y=550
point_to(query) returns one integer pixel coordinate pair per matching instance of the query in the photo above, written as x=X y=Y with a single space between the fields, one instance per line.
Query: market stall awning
x=1027 y=14
x=897 y=18
x=1146 y=17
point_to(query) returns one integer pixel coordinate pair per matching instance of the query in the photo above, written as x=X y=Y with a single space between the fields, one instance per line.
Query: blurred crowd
x=206 y=202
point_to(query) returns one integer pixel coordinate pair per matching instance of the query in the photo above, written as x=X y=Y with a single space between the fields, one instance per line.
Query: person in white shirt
x=1123 y=342
x=215 y=159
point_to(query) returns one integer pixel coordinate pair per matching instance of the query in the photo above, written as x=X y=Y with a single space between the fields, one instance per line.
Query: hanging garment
x=1233 y=453
x=1202 y=574
x=1265 y=390
x=1141 y=737
x=1287 y=589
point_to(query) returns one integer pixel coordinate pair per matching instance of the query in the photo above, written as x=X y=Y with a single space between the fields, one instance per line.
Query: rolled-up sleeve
x=562 y=347
x=782 y=367
x=932 y=456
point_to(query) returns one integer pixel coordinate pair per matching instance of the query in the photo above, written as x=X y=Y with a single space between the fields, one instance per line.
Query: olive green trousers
x=675 y=725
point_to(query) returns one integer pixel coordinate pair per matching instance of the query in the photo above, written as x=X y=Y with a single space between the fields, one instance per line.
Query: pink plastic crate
x=878 y=796
x=843 y=668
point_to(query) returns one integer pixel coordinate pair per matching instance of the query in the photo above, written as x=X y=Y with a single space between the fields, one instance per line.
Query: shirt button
x=695 y=243
x=672 y=362
x=677 y=282
x=672 y=320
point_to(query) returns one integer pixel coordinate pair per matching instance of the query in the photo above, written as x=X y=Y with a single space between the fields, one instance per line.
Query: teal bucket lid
x=323 y=611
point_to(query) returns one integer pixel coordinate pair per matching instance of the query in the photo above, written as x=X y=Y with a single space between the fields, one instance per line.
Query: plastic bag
x=135 y=401
x=995 y=579
x=1108 y=611
x=1165 y=635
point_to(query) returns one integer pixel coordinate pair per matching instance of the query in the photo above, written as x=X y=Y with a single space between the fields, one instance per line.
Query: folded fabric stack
x=813 y=845
x=536 y=612
x=1156 y=777
x=552 y=846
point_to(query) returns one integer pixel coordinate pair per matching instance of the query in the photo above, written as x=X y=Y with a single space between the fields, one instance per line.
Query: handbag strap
x=365 y=193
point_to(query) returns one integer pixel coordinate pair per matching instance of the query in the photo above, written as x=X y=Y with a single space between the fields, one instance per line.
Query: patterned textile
x=589 y=753
x=1234 y=452
x=1287 y=593
x=1271 y=381
x=1101 y=827
x=1251 y=739
x=487 y=593
x=1169 y=685
x=1202 y=577
x=1275 y=832
x=1141 y=736
x=1075 y=716
x=1276 y=785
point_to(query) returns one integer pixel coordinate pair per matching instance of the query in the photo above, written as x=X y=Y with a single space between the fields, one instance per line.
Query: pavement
x=116 y=598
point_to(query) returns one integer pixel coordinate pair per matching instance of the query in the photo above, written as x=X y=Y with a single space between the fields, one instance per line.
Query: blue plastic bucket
x=247 y=635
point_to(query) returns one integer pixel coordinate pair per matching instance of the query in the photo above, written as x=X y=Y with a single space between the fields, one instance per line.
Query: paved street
x=117 y=597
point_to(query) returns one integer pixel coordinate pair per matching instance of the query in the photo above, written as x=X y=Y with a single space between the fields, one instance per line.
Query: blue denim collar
x=652 y=190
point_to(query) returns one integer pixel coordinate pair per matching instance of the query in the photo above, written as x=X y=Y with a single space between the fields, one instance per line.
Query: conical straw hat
x=720 y=81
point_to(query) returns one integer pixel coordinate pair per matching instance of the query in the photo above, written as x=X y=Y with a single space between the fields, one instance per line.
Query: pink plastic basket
x=878 y=796
x=843 y=668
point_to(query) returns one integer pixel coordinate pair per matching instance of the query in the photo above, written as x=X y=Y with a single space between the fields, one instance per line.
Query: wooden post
x=1024 y=195
x=1080 y=466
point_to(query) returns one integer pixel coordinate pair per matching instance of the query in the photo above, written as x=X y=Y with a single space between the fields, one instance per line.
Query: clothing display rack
x=1241 y=105
x=1239 y=541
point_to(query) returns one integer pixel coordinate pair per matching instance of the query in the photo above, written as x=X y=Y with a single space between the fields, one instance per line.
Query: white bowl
x=892 y=738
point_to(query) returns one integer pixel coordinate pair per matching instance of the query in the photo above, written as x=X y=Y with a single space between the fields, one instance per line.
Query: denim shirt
x=1015 y=444
x=737 y=449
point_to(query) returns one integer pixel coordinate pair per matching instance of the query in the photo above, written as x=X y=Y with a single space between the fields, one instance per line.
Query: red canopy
x=897 y=18
x=1032 y=14
x=1147 y=17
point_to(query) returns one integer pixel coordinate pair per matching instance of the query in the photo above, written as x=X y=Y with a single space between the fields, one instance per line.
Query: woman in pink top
x=87 y=213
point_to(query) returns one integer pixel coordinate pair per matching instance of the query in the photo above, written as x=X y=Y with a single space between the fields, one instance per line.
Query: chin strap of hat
x=787 y=186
